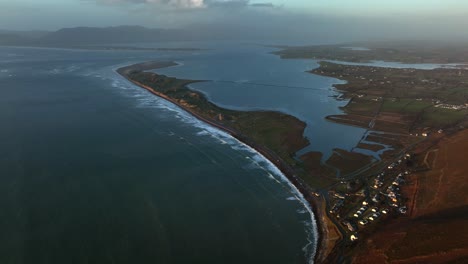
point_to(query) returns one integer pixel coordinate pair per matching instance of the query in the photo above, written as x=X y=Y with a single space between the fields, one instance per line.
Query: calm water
x=95 y=170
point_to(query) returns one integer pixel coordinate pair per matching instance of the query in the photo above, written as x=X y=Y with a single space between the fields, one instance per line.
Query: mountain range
x=88 y=36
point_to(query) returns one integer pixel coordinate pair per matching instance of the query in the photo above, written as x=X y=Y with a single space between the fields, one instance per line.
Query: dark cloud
x=270 y=5
x=227 y=4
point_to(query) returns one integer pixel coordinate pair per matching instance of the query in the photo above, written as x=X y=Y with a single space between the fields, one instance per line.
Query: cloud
x=182 y=3
x=186 y=4
x=171 y=3
x=227 y=3
x=270 y=5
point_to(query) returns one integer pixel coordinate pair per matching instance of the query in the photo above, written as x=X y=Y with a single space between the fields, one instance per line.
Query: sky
x=408 y=17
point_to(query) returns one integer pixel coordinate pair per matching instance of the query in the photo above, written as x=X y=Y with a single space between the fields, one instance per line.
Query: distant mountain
x=82 y=36
x=32 y=34
x=111 y=35
x=9 y=37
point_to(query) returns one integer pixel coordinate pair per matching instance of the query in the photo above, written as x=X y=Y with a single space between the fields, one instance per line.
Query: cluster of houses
x=336 y=207
x=384 y=196
x=452 y=107
x=394 y=195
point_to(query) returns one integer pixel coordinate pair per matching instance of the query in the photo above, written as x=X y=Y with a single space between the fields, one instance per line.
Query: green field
x=395 y=105
x=438 y=117
x=416 y=106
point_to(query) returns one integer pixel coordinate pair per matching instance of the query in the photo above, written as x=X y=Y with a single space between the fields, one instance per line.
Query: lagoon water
x=250 y=77
x=96 y=170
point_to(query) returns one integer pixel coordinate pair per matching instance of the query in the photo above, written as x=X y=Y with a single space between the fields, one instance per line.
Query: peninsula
x=275 y=135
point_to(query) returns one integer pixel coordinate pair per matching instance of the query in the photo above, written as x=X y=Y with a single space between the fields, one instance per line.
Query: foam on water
x=66 y=69
x=179 y=64
x=269 y=167
x=271 y=176
x=5 y=73
x=55 y=71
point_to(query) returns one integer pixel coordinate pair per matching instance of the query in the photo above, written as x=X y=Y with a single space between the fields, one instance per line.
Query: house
x=363 y=222
x=403 y=210
x=376 y=198
x=351 y=227
x=374 y=216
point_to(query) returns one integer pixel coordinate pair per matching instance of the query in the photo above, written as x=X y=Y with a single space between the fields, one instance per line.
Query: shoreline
x=313 y=203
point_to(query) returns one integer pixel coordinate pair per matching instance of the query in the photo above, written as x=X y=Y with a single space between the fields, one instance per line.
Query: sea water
x=96 y=170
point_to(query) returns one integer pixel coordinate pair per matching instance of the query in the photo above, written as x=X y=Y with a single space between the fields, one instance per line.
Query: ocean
x=96 y=170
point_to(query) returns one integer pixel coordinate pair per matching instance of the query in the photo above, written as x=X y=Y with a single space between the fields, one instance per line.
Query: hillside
x=434 y=230
x=84 y=36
